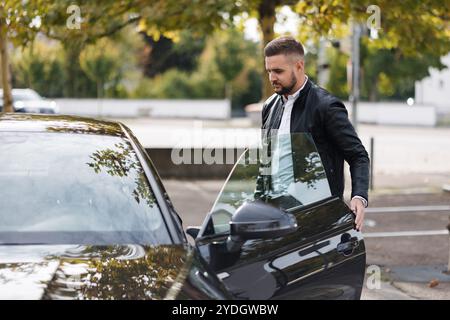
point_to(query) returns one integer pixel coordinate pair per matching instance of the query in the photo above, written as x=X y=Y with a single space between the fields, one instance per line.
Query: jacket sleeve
x=343 y=135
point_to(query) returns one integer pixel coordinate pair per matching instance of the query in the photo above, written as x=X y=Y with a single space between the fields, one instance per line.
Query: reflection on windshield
x=59 y=182
x=289 y=174
x=120 y=272
x=119 y=163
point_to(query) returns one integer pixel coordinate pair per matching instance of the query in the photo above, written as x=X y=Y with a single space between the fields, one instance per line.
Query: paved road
x=193 y=199
x=418 y=250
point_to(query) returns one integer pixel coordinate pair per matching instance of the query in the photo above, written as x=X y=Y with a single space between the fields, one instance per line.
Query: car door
x=323 y=259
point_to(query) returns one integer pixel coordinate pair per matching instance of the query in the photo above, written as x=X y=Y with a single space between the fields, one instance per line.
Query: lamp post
x=354 y=98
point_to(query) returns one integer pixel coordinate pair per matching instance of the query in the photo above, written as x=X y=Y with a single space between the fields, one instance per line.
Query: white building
x=435 y=89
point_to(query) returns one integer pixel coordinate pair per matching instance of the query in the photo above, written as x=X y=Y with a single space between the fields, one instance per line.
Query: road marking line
x=407 y=209
x=406 y=233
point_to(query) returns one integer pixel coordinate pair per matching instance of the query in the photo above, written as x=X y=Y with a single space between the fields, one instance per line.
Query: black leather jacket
x=324 y=116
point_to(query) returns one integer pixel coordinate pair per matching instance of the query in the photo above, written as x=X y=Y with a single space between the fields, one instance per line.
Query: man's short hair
x=284 y=45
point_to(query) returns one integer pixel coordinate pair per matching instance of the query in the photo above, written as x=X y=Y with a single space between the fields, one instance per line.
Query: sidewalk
x=412 y=267
x=411 y=283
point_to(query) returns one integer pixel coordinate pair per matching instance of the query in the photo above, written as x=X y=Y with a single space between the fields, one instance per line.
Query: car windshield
x=75 y=188
x=287 y=173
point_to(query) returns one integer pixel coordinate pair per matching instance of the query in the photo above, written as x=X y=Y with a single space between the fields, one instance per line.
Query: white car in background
x=29 y=101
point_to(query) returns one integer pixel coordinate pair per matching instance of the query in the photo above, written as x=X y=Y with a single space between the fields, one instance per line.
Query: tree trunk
x=266 y=19
x=229 y=92
x=100 y=89
x=373 y=90
x=6 y=79
x=72 y=67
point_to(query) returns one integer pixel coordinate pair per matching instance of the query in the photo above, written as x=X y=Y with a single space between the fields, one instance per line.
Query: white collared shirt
x=285 y=125
x=282 y=166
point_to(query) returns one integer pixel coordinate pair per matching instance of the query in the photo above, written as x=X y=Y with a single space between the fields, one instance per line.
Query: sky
x=288 y=22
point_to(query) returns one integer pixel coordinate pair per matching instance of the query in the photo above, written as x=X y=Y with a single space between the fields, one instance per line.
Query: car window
x=287 y=173
x=75 y=188
x=25 y=96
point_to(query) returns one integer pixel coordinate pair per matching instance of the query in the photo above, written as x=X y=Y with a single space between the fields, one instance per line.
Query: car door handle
x=346 y=247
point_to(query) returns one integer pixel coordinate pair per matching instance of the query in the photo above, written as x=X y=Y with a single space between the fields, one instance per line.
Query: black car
x=84 y=215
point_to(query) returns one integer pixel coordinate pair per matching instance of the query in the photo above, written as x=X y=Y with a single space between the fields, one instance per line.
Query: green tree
x=104 y=18
x=101 y=62
x=40 y=67
x=18 y=26
x=228 y=58
x=86 y=22
x=337 y=83
x=425 y=22
x=165 y=53
x=229 y=49
x=392 y=74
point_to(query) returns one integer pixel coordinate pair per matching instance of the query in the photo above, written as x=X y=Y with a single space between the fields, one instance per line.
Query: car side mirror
x=193 y=231
x=259 y=220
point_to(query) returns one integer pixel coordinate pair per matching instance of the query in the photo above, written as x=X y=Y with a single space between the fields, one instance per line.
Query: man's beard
x=287 y=89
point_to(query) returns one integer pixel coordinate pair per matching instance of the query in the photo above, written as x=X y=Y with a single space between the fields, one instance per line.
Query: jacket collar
x=297 y=93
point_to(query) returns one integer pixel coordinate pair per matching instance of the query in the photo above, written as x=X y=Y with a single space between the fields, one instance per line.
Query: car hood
x=93 y=272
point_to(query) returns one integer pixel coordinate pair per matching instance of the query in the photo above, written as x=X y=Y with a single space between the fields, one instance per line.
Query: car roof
x=59 y=123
